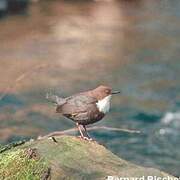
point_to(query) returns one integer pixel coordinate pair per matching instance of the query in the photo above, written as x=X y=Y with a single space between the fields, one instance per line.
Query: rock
x=68 y=158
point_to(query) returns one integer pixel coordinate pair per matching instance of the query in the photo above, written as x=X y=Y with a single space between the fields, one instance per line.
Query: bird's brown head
x=102 y=91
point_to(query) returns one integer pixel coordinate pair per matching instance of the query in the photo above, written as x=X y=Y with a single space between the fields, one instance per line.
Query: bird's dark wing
x=77 y=104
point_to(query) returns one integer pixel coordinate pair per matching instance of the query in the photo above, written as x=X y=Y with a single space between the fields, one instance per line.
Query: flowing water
x=71 y=46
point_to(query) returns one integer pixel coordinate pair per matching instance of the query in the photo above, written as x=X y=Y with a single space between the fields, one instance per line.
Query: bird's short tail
x=55 y=99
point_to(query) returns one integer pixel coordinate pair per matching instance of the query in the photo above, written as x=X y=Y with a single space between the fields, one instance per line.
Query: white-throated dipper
x=86 y=107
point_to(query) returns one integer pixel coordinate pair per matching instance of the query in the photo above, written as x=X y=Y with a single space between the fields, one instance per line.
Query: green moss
x=15 y=164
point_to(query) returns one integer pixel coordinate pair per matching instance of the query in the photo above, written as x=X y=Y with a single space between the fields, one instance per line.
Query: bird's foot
x=85 y=138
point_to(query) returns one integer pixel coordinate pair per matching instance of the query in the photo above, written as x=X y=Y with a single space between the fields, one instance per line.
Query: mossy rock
x=68 y=158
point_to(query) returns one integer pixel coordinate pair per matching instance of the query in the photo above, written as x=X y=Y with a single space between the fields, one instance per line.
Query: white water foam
x=169 y=117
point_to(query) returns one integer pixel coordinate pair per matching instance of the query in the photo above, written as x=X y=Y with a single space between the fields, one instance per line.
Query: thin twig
x=59 y=133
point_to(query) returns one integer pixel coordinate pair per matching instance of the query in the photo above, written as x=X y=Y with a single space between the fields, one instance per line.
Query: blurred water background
x=71 y=46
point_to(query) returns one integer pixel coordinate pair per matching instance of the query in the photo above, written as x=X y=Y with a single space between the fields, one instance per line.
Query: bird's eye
x=107 y=91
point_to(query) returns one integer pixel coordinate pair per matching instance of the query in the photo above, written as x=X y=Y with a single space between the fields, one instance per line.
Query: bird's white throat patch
x=104 y=104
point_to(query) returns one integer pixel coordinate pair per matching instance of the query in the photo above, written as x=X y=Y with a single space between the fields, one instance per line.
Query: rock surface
x=69 y=158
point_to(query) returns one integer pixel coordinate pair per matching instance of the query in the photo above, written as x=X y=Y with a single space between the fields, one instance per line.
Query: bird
x=84 y=108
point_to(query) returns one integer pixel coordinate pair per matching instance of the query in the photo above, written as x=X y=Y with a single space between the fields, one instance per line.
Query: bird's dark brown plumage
x=86 y=107
x=81 y=108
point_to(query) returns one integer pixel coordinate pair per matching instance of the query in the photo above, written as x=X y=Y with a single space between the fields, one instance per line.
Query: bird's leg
x=79 y=128
x=87 y=135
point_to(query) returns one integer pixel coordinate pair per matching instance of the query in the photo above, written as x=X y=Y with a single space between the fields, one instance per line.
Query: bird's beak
x=115 y=92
